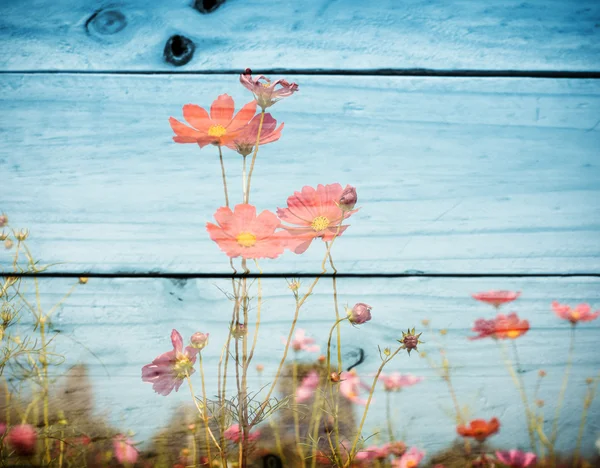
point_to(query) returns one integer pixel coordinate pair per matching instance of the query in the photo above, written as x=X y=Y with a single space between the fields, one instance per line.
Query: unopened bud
x=334 y=377
x=410 y=340
x=42 y=359
x=359 y=314
x=348 y=198
x=239 y=330
x=294 y=285
x=199 y=340
x=3 y=220
x=321 y=359
x=8 y=244
x=83 y=280
x=3 y=236
x=260 y=368
x=22 y=234
x=542 y=373
x=425 y=322
x=185 y=452
x=443 y=332
x=589 y=381
x=192 y=427
x=539 y=403
x=387 y=351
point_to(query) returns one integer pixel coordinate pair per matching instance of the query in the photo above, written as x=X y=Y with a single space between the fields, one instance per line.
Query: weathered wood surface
x=125 y=323
x=453 y=175
x=309 y=34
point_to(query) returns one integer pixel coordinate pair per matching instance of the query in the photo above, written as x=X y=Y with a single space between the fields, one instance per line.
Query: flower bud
x=3 y=220
x=539 y=403
x=83 y=280
x=321 y=359
x=239 y=330
x=185 y=452
x=359 y=314
x=348 y=198
x=425 y=322
x=334 y=377
x=589 y=381
x=22 y=439
x=3 y=236
x=192 y=427
x=22 y=234
x=199 y=340
x=542 y=373
x=294 y=285
x=443 y=332
x=260 y=368
x=8 y=244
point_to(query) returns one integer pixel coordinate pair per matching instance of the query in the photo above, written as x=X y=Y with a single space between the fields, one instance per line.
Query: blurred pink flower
x=396 y=448
x=314 y=213
x=307 y=388
x=581 y=313
x=396 y=381
x=371 y=453
x=502 y=327
x=234 y=433
x=516 y=458
x=496 y=298
x=245 y=140
x=220 y=128
x=265 y=91
x=410 y=459
x=169 y=369
x=350 y=387
x=242 y=233
x=301 y=342
x=125 y=452
x=22 y=439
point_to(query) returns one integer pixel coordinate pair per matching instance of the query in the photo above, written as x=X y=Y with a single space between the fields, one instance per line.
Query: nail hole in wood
x=207 y=6
x=106 y=22
x=179 y=50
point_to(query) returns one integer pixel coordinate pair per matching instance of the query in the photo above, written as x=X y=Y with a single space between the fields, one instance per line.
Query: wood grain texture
x=454 y=175
x=125 y=323
x=307 y=34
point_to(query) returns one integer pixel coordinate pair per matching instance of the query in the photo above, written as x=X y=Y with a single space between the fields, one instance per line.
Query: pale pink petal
x=177 y=341
x=221 y=110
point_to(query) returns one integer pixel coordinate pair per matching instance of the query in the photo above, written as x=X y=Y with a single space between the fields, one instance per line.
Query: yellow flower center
x=575 y=315
x=246 y=239
x=411 y=464
x=513 y=333
x=320 y=223
x=182 y=367
x=217 y=131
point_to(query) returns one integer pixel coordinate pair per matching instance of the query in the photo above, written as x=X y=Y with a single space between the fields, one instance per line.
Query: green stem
x=224 y=177
x=563 y=390
x=388 y=410
x=260 y=125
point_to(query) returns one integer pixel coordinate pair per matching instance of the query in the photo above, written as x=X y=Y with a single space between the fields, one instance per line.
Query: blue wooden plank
x=453 y=175
x=308 y=34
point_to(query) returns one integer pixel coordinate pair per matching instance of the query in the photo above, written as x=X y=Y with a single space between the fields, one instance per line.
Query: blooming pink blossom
x=242 y=233
x=307 y=388
x=245 y=140
x=496 y=298
x=360 y=313
x=350 y=387
x=169 y=369
x=220 y=128
x=410 y=459
x=265 y=91
x=516 y=458
x=502 y=327
x=22 y=439
x=301 y=342
x=314 y=213
x=581 y=313
x=396 y=381
x=234 y=433
x=124 y=450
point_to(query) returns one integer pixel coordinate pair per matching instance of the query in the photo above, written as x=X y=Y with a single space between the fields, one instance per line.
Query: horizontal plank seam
x=416 y=274
x=416 y=72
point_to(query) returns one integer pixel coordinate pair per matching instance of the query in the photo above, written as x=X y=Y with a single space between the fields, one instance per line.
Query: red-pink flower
x=301 y=342
x=307 y=388
x=125 y=452
x=396 y=381
x=371 y=453
x=581 y=313
x=245 y=140
x=242 y=233
x=350 y=387
x=234 y=433
x=168 y=370
x=496 y=298
x=410 y=459
x=22 y=439
x=502 y=327
x=314 y=213
x=220 y=128
x=516 y=458
x=265 y=91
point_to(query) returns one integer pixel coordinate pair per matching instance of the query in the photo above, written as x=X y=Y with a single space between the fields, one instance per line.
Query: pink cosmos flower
x=245 y=140
x=124 y=450
x=410 y=459
x=350 y=386
x=307 y=388
x=502 y=327
x=516 y=458
x=265 y=91
x=396 y=381
x=242 y=233
x=496 y=298
x=220 y=128
x=581 y=313
x=314 y=213
x=234 y=433
x=22 y=439
x=169 y=369
x=371 y=453
x=301 y=342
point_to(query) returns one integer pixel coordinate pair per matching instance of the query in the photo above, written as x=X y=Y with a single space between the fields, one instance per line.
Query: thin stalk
x=524 y=398
x=388 y=410
x=205 y=419
x=200 y=411
x=295 y=413
x=563 y=390
x=260 y=125
x=339 y=341
x=587 y=402
x=224 y=177
x=315 y=424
